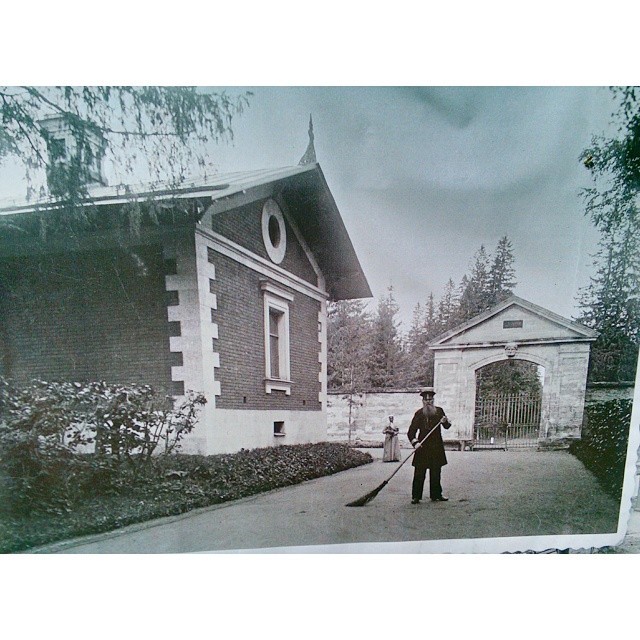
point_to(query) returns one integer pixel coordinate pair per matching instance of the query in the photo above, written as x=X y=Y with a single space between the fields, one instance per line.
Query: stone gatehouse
x=515 y=329
x=520 y=330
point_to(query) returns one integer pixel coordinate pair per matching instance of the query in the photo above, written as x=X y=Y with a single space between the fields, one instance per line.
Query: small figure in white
x=391 y=443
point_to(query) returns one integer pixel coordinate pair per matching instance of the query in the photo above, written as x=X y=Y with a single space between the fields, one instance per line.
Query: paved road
x=493 y=494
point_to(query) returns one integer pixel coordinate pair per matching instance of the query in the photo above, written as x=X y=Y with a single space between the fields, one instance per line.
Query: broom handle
x=415 y=449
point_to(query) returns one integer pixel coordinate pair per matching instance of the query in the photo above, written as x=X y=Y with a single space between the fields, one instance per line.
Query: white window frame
x=278 y=300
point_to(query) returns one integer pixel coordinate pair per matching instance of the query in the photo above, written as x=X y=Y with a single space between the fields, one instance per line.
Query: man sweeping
x=430 y=454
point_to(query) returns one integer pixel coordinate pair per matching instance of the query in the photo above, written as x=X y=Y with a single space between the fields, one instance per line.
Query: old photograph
x=337 y=319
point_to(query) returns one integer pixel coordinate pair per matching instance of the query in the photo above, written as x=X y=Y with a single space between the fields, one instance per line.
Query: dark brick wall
x=240 y=318
x=244 y=227
x=86 y=316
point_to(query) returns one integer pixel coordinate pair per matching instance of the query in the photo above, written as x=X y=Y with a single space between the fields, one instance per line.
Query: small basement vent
x=278 y=428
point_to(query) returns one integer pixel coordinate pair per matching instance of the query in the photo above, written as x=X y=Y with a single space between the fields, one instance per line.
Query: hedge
x=603 y=447
x=176 y=484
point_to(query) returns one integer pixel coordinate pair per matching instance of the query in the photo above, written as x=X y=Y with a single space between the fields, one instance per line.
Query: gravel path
x=493 y=494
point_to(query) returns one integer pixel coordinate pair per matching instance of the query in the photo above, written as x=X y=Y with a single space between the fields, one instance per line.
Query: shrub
x=132 y=422
x=46 y=425
x=603 y=448
x=230 y=476
x=35 y=460
x=35 y=470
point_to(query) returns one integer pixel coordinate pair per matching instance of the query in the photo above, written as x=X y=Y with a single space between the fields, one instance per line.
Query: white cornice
x=276 y=291
x=453 y=346
x=245 y=257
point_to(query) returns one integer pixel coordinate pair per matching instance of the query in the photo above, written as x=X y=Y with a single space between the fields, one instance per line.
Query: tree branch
x=20 y=125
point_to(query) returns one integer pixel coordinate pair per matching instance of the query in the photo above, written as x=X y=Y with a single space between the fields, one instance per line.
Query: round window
x=274 y=231
x=274 y=234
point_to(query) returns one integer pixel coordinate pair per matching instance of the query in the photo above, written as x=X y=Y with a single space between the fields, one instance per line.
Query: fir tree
x=348 y=326
x=419 y=370
x=508 y=377
x=609 y=304
x=430 y=319
x=447 y=308
x=386 y=346
x=475 y=295
x=347 y=351
x=501 y=274
x=464 y=297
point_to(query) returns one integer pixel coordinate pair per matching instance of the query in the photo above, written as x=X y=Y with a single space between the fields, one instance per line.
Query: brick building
x=223 y=290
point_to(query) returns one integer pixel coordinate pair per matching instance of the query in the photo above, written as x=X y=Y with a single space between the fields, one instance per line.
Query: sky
x=423 y=176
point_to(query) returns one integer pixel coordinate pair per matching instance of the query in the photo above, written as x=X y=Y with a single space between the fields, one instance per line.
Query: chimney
x=76 y=153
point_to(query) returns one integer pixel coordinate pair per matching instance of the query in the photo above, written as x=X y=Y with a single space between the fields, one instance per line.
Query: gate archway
x=508 y=404
x=515 y=329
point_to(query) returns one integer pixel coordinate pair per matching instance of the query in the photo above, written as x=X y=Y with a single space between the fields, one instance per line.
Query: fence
x=507 y=421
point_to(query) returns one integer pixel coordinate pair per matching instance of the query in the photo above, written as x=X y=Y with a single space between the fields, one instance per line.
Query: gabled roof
x=217 y=186
x=566 y=329
x=304 y=188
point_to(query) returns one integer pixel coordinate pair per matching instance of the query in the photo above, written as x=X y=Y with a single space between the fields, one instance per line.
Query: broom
x=360 y=502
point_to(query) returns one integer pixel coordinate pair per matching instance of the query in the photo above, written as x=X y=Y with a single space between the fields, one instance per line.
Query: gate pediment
x=514 y=320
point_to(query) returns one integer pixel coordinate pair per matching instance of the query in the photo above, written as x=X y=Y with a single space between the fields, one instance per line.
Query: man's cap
x=427 y=391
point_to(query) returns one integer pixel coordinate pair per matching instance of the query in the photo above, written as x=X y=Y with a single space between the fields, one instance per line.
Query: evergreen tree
x=347 y=351
x=419 y=369
x=508 y=377
x=609 y=304
x=501 y=274
x=475 y=295
x=430 y=320
x=386 y=345
x=464 y=299
x=348 y=326
x=415 y=338
x=393 y=362
x=447 y=308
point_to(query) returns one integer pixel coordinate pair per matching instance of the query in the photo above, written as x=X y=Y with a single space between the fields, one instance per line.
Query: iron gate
x=506 y=421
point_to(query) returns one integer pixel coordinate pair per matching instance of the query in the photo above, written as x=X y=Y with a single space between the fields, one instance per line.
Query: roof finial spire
x=309 y=156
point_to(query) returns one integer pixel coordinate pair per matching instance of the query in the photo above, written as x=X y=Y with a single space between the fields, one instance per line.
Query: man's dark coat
x=431 y=453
